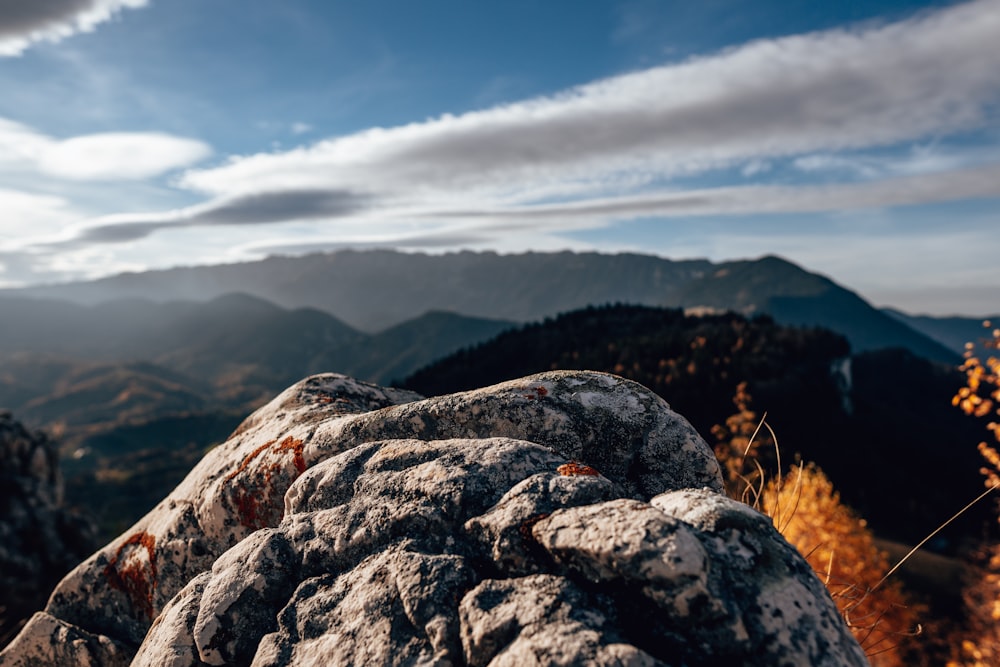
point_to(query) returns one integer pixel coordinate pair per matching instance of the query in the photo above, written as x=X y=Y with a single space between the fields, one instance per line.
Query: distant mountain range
x=232 y=338
x=83 y=368
x=135 y=390
x=952 y=332
x=137 y=374
x=373 y=290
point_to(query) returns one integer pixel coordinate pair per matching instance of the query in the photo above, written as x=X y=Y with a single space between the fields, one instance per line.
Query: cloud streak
x=252 y=209
x=983 y=182
x=108 y=156
x=24 y=22
x=830 y=91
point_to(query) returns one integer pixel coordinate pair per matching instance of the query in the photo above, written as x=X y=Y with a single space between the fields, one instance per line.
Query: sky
x=858 y=139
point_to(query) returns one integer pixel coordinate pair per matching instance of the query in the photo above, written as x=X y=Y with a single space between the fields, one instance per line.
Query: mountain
x=235 y=345
x=880 y=423
x=796 y=297
x=134 y=360
x=136 y=390
x=90 y=394
x=400 y=350
x=376 y=289
x=205 y=340
x=373 y=290
x=953 y=332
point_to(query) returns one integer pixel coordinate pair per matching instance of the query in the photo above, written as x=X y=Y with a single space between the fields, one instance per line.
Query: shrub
x=841 y=549
x=837 y=543
x=978 y=644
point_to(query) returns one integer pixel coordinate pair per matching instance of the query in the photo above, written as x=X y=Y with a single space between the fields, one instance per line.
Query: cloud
x=20 y=145
x=120 y=156
x=442 y=226
x=980 y=182
x=112 y=156
x=830 y=91
x=827 y=162
x=24 y=22
x=251 y=209
x=920 y=159
x=27 y=213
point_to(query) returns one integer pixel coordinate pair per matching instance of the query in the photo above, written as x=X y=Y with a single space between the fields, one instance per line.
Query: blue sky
x=859 y=139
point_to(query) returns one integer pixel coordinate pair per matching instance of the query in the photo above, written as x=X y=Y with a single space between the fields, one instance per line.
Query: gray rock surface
x=39 y=540
x=561 y=519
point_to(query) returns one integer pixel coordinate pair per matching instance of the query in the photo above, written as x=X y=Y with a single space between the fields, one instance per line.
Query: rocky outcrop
x=565 y=518
x=39 y=540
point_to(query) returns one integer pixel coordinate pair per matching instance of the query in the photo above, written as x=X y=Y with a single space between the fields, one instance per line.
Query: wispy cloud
x=752 y=199
x=112 y=156
x=24 y=22
x=829 y=91
x=27 y=213
x=250 y=209
x=120 y=156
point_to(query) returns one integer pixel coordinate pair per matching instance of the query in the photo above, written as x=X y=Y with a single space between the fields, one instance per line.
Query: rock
x=40 y=541
x=542 y=620
x=46 y=641
x=565 y=518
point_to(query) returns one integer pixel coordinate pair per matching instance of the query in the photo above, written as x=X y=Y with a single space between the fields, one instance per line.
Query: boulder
x=567 y=518
x=40 y=541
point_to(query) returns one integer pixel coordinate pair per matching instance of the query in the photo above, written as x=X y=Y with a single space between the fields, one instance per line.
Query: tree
x=979 y=643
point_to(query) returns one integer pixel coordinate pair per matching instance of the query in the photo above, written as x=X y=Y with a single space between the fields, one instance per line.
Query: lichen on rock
x=568 y=518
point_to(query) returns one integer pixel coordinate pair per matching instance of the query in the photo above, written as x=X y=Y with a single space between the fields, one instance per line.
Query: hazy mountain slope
x=890 y=432
x=375 y=289
x=94 y=394
x=233 y=343
x=953 y=332
x=372 y=290
x=138 y=389
x=181 y=334
x=398 y=351
x=247 y=341
x=797 y=297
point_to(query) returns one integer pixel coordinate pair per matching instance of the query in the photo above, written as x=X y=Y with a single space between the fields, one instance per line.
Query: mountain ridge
x=953 y=331
x=376 y=289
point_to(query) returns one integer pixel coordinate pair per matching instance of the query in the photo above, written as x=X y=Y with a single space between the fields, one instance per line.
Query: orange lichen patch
x=248 y=458
x=536 y=392
x=254 y=494
x=248 y=507
x=290 y=444
x=573 y=469
x=133 y=574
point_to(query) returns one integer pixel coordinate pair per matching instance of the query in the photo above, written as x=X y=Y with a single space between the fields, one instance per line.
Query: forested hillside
x=880 y=423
